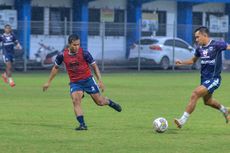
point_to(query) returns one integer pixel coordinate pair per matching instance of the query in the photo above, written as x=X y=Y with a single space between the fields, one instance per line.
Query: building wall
x=117 y=4
x=114 y=46
x=7 y=2
x=164 y=5
x=52 y=3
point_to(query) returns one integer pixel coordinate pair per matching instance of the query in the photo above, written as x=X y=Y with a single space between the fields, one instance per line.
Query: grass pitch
x=33 y=121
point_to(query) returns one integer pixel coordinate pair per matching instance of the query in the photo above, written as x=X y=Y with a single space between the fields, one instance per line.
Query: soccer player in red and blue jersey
x=77 y=63
x=210 y=53
x=8 y=40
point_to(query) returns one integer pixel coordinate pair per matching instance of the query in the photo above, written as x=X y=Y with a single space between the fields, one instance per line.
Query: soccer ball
x=160 y=125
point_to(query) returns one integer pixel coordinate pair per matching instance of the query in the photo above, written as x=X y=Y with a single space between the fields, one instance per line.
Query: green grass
x=32 y=121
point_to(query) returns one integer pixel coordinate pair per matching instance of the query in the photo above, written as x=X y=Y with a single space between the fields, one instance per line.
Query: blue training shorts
x=211 y=84
x=88 y=85
x=8 y=58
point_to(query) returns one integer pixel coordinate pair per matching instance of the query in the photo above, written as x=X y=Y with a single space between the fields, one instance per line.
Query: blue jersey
x=8 y=42
x=211 y=59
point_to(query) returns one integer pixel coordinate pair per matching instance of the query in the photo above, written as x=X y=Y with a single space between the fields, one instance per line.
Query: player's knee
x=195 y=95
x=207 y=102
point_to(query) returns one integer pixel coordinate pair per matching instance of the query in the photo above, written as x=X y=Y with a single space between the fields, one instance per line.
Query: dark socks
x=80 y=119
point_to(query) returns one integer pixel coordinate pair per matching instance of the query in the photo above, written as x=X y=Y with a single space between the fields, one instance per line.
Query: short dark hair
x=202 y=30
x=7 y=25
x=72 y=38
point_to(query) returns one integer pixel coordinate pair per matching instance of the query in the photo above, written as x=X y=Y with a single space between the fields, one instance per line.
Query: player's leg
x=210 y=101
x=77 y=93
x=9 y=73
x=91 y=87
x=7 y=76
x=76 y=98
x=199 y=92
x=101 y=101
x=4 y=75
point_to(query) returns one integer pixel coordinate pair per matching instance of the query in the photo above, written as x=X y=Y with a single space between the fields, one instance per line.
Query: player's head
x=7 y=28
x=74 y=42
x=202 y=35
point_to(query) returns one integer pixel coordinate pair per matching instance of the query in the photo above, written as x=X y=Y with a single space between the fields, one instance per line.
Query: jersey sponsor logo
x=208 y=61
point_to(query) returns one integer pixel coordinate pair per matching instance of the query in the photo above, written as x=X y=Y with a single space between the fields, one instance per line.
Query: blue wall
x=24 y=17
x=134 y=13
x=80 y=21
x=184 y=21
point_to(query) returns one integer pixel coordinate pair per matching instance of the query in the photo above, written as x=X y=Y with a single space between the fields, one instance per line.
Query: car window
x=147 y=41
x=169 y=42
x=181 y=44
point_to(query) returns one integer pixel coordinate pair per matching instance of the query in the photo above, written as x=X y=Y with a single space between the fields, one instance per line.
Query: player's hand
x=46 y=86
x=101 y=86
x=19 y=47
x=178 y=62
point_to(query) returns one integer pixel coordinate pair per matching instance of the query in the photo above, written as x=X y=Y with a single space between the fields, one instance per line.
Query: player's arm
x=18 y=45
x=228 y=47
x=54 y=71
x=187 y=62
x=98 y=76
x=89 y=59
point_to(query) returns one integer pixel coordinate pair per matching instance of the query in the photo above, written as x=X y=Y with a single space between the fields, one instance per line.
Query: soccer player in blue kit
x=8 y=42
x=210 y=53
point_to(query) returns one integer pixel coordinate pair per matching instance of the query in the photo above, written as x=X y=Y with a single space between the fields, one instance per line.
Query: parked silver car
x=159 y=50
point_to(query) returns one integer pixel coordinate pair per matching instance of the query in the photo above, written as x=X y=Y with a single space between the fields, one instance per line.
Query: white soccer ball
x=160 y=125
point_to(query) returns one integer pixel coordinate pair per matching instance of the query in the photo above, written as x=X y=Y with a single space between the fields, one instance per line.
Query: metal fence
x=110 y=44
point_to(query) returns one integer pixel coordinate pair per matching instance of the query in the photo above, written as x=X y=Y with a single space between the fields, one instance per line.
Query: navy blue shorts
x=8 y=58
x=88 y=85
x=211 y=84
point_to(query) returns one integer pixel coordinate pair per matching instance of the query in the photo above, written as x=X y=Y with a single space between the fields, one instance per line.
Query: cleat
x=4 y=77
x=12 y=84
x=81 y=127
x=178 y=124
x=116 y=106
x=226 y=115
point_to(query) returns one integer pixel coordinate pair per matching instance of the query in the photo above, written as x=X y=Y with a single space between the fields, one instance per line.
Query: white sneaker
x=178 y=123
x=226 y=115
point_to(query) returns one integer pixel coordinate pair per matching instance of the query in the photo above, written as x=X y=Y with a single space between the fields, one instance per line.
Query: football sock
x=10 y=79
x=81 y=120
x=114 y=105
x=184 y=117
x=111 y=103
x=222 y=109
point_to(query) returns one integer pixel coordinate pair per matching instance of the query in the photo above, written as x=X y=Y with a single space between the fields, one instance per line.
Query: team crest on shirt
x=210 y=48
x=205 y=52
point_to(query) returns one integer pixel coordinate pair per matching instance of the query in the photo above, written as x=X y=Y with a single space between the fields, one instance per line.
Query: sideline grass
x=36 y=122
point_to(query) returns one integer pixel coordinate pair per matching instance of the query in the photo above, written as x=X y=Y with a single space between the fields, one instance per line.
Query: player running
x=8 y=41
x=77 y=64
x=209 y=51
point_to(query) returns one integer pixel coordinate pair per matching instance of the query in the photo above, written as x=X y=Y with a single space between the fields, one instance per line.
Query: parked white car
x=159 y=50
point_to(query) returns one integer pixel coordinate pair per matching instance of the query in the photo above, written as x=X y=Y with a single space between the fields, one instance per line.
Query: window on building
x=217 y=14
x=6 y=7
x=57 y=20
x=37 y=20
x=161 y=31
x=94 y=22
x=116 y=28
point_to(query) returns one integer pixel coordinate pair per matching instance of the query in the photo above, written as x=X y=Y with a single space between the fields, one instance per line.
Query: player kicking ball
x=209 y=51
x=77 y=63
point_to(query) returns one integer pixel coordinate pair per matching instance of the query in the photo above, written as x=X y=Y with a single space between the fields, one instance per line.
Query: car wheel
x=164 y=63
